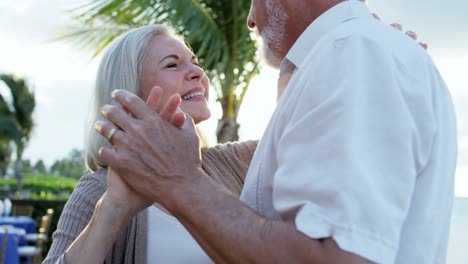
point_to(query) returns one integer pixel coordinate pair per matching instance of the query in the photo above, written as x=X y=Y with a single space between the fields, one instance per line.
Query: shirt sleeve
x=228 y=163
x=239 y=155
x=349 y=156
x=76 y=214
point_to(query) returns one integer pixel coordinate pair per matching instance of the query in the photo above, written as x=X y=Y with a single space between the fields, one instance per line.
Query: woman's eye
x=198 y=65
x=171 y=65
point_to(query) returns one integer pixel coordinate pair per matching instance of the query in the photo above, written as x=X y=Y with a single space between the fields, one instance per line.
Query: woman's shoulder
x=86 y=194
x=228 y=163
x=95 y=182
x=232 y=148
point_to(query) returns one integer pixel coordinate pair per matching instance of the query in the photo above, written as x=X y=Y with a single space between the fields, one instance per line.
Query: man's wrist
x=175 y=197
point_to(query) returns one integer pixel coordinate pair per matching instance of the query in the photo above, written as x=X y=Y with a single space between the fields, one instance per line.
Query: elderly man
x=356 y=165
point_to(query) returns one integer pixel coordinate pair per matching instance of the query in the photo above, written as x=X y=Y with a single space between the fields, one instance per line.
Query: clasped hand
x=152 y=152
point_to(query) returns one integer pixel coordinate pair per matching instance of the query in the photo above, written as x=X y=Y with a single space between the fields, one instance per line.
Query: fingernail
x=411 y=34
x=98 y=125
x=157 y=89
x=105 y=110
x=114 y=93
x=397 y=26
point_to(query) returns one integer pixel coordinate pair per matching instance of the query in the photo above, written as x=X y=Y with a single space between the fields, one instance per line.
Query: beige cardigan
x=226 y=164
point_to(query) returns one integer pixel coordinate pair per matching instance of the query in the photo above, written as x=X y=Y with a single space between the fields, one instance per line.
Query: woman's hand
x=122 y=197
x=410 y=33
x=111 y=216
x=119 y=194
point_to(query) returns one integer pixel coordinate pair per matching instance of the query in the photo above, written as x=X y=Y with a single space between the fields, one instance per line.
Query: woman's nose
x=195 y=72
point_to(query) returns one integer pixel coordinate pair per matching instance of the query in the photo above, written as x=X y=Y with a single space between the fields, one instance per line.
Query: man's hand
x=119 y=194
x=149 y=152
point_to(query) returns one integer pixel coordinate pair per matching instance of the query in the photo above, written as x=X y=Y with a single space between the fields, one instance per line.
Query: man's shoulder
x=374 y=35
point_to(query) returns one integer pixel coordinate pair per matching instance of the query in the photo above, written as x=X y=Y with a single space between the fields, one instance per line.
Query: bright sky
x=62 y=76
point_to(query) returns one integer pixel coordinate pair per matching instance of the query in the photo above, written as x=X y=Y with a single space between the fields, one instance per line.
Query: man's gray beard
x=267 y=53
x=274 y=33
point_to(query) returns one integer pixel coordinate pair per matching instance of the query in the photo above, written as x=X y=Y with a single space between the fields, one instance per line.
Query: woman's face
x=170 y=65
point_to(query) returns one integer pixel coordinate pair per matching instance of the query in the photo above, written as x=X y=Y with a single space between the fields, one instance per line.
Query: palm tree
x=215 y=29
x=5 y=153
x=16 y=120
x=8 y=133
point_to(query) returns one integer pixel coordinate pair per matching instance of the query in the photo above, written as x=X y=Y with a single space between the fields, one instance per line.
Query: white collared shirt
x=362 y=144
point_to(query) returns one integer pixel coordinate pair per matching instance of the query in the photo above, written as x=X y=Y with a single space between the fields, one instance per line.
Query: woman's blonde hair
x=121 y=68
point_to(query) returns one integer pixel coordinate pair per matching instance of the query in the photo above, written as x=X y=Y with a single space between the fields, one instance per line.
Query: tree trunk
x=19 y=175
x=5 y=159
x=227 y=131
x=18 y=167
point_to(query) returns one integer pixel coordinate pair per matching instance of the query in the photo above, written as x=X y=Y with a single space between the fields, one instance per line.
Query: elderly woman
x=89 y=229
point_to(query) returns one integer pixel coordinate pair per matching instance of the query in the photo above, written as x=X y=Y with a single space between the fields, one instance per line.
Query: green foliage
x=16 y=121
x=40 y=167
x=27 y=166
x=19 y=111
x=41 y=186
x=215 y=29
x=5 y=154
x=73 y=166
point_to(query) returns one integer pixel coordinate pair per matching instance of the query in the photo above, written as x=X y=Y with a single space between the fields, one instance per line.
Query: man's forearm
x=231 y=232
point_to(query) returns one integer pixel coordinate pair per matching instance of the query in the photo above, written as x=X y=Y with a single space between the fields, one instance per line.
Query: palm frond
x=215 y=30
x=23 y=107
x=103 y=20
x=95 y=38
x=9 y=129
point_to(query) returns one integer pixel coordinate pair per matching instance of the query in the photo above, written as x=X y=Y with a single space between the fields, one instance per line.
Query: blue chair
x=9 y=250
x=4 y=245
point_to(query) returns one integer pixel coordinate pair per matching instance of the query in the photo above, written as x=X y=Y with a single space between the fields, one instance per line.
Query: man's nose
x=250 y=22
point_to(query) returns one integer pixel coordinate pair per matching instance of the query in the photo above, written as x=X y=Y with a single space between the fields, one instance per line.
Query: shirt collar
x=336 y=15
